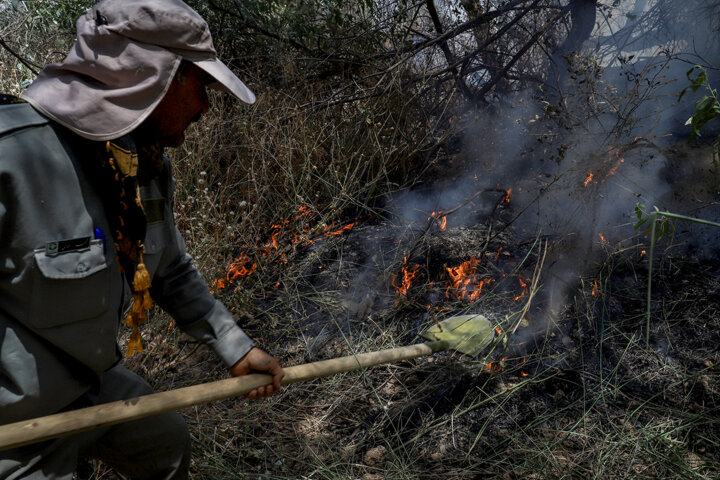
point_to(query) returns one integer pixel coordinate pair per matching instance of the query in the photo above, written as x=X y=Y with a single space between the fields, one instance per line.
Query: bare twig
x=21 y=59
x=533 y=285
x=449 y=57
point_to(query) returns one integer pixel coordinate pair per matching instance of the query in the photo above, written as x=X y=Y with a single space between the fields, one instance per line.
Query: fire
x=497 y=255
x=498 y=330
x=524 y=286
x=462 y=281
x=440 y=218
x=523 y=373
x=346 y=228
x=280 y=237
x=613 y=170
x=595 y=291
x=495 y=367
x=588 y=179
x=642 y=253
x=603 y=239
x=406 y=277
x=506 y=199
x=241 y=266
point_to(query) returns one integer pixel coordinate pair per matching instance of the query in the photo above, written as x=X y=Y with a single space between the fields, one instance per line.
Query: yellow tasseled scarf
x=127 y=219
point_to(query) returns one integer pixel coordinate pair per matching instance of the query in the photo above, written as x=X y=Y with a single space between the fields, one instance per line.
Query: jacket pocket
x=156 y=238
x=69 y=286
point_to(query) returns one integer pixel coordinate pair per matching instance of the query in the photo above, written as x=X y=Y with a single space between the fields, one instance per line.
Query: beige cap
x=122 y=64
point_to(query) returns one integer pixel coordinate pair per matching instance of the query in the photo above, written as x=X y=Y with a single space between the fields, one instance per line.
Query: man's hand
x=257 y=361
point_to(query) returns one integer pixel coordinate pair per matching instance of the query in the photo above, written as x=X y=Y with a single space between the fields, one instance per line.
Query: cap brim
x=226 y=79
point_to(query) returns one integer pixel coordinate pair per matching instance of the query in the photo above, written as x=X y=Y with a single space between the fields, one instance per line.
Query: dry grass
x=594 y=404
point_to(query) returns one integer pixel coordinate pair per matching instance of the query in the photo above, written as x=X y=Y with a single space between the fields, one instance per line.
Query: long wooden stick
x=76 y=421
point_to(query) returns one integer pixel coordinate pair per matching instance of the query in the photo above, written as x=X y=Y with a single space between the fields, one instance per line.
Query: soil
x=569 y=389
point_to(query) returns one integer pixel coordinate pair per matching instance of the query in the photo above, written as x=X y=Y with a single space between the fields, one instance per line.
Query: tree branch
x=533 y=40
x=21 y=59
x=259 y=29
x=449 y=57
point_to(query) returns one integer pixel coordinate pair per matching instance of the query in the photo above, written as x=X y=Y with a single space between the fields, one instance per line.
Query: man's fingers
x=259 y=361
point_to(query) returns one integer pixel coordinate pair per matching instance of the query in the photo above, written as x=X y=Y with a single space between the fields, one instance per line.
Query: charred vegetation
x=408 y=161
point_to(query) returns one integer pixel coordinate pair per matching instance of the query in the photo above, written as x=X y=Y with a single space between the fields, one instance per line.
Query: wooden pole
x=53 y=426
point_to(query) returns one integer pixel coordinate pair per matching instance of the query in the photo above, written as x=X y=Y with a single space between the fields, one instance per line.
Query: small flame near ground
x=525 y=289
x=280 y=235
x=494 y=368
x=588 y=179
x=405 y=278
x=439 y=218
x=463 y=283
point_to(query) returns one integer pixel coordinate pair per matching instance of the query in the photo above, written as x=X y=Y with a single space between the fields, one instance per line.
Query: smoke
x=578 y=157
x=579 y=165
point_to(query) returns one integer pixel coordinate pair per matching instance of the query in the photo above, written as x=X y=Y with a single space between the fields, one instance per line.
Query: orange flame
x=498 y=330
x=462 y=281
x=242 y=266
x=495 y=367
x=497 y=255
x=588 y=179
x=406 y=277
x=595 y=291
x=603 y=239
x=523 y=373
x=613 y=170
x=347 y=227
x=440 y=218
x=280 y=235
x=506 y=199
x=525 y=289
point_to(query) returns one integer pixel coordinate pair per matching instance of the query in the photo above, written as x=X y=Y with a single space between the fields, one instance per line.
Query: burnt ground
x=571 y=388
x=582 y=396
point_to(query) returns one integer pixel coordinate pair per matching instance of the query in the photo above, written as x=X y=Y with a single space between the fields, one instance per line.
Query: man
x=86 y=226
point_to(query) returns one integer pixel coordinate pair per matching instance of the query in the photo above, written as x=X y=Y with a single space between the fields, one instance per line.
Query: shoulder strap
x=19 y=115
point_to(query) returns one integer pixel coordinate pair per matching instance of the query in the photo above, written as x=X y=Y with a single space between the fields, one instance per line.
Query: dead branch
x=533 y=40
x=20 y=58
x=449 y=57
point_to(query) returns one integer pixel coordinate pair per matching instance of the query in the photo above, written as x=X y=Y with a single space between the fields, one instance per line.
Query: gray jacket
x=61 y=292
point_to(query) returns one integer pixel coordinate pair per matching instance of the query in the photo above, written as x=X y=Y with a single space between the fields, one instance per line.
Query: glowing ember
x=242 y=266
x=643 y=253
x=588 y=179
x=523 y=373
x=603 y=239
x=463 y=282
x=496 y=367
x=281 y=237
x=347 y=227
x=595 y=291
x=498 y=330
x=440 y=218
x=613 y=170
x=506 y=199
x=497 y=255
x=524 y=286
x=406 y=277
